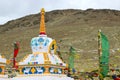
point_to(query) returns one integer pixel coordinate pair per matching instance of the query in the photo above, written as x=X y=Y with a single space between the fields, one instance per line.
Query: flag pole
x=99 y=53
x=16 y=50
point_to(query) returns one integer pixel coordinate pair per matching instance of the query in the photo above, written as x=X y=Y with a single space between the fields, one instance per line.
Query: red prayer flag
x=16 y=49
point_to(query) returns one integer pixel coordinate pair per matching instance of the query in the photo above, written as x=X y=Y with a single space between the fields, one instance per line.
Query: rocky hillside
x=73 y=27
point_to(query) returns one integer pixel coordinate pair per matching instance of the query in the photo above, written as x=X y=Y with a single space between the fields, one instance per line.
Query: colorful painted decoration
x=23 y=70
x=32 y=62
x=40 y=70
x=40 y=44
x=27 y=69
x=0 y=69
x=59 y=71
x=53 y=70
x=46 y=42
x=33 y=70
x=61 y=64
x=40 y=40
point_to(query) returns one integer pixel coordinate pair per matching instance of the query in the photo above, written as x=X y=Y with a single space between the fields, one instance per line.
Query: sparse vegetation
x=74 y=27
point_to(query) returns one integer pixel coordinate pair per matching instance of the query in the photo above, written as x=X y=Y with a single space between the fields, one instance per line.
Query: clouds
x=108 y=4
x=12 y=9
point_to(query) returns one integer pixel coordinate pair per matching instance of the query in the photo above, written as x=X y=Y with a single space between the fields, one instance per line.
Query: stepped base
x=39 y=77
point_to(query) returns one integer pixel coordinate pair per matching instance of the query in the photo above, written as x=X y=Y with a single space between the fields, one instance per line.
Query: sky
x=13 y=9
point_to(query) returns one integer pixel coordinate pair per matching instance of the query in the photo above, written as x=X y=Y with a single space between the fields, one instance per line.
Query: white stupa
x=43 y=63
x=2 y=66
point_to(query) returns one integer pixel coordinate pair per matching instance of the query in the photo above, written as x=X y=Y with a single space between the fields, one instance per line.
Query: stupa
x=43 y=63
x=2 y=66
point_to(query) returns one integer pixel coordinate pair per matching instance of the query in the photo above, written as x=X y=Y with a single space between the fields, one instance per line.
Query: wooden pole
x=99 y=55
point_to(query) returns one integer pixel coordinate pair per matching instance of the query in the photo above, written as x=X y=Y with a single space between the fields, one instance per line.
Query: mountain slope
x=73 y=27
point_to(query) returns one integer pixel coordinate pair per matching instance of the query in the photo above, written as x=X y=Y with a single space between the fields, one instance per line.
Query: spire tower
x=42 y=22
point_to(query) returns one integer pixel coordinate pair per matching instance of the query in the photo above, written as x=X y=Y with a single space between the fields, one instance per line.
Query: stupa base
x=42 y=77
x=3 y=77
x=39 y=77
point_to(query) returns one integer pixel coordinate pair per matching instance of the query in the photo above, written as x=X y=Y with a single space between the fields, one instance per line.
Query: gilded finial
x=42 y=10
x=42 y=22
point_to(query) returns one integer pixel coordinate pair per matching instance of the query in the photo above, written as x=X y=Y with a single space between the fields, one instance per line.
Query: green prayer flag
x=71 y=57
x=104 y=56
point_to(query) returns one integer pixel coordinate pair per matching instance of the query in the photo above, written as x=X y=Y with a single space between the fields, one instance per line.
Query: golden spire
x=42 y=22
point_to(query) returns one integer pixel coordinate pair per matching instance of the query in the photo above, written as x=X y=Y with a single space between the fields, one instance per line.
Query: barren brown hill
x=73 y=27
